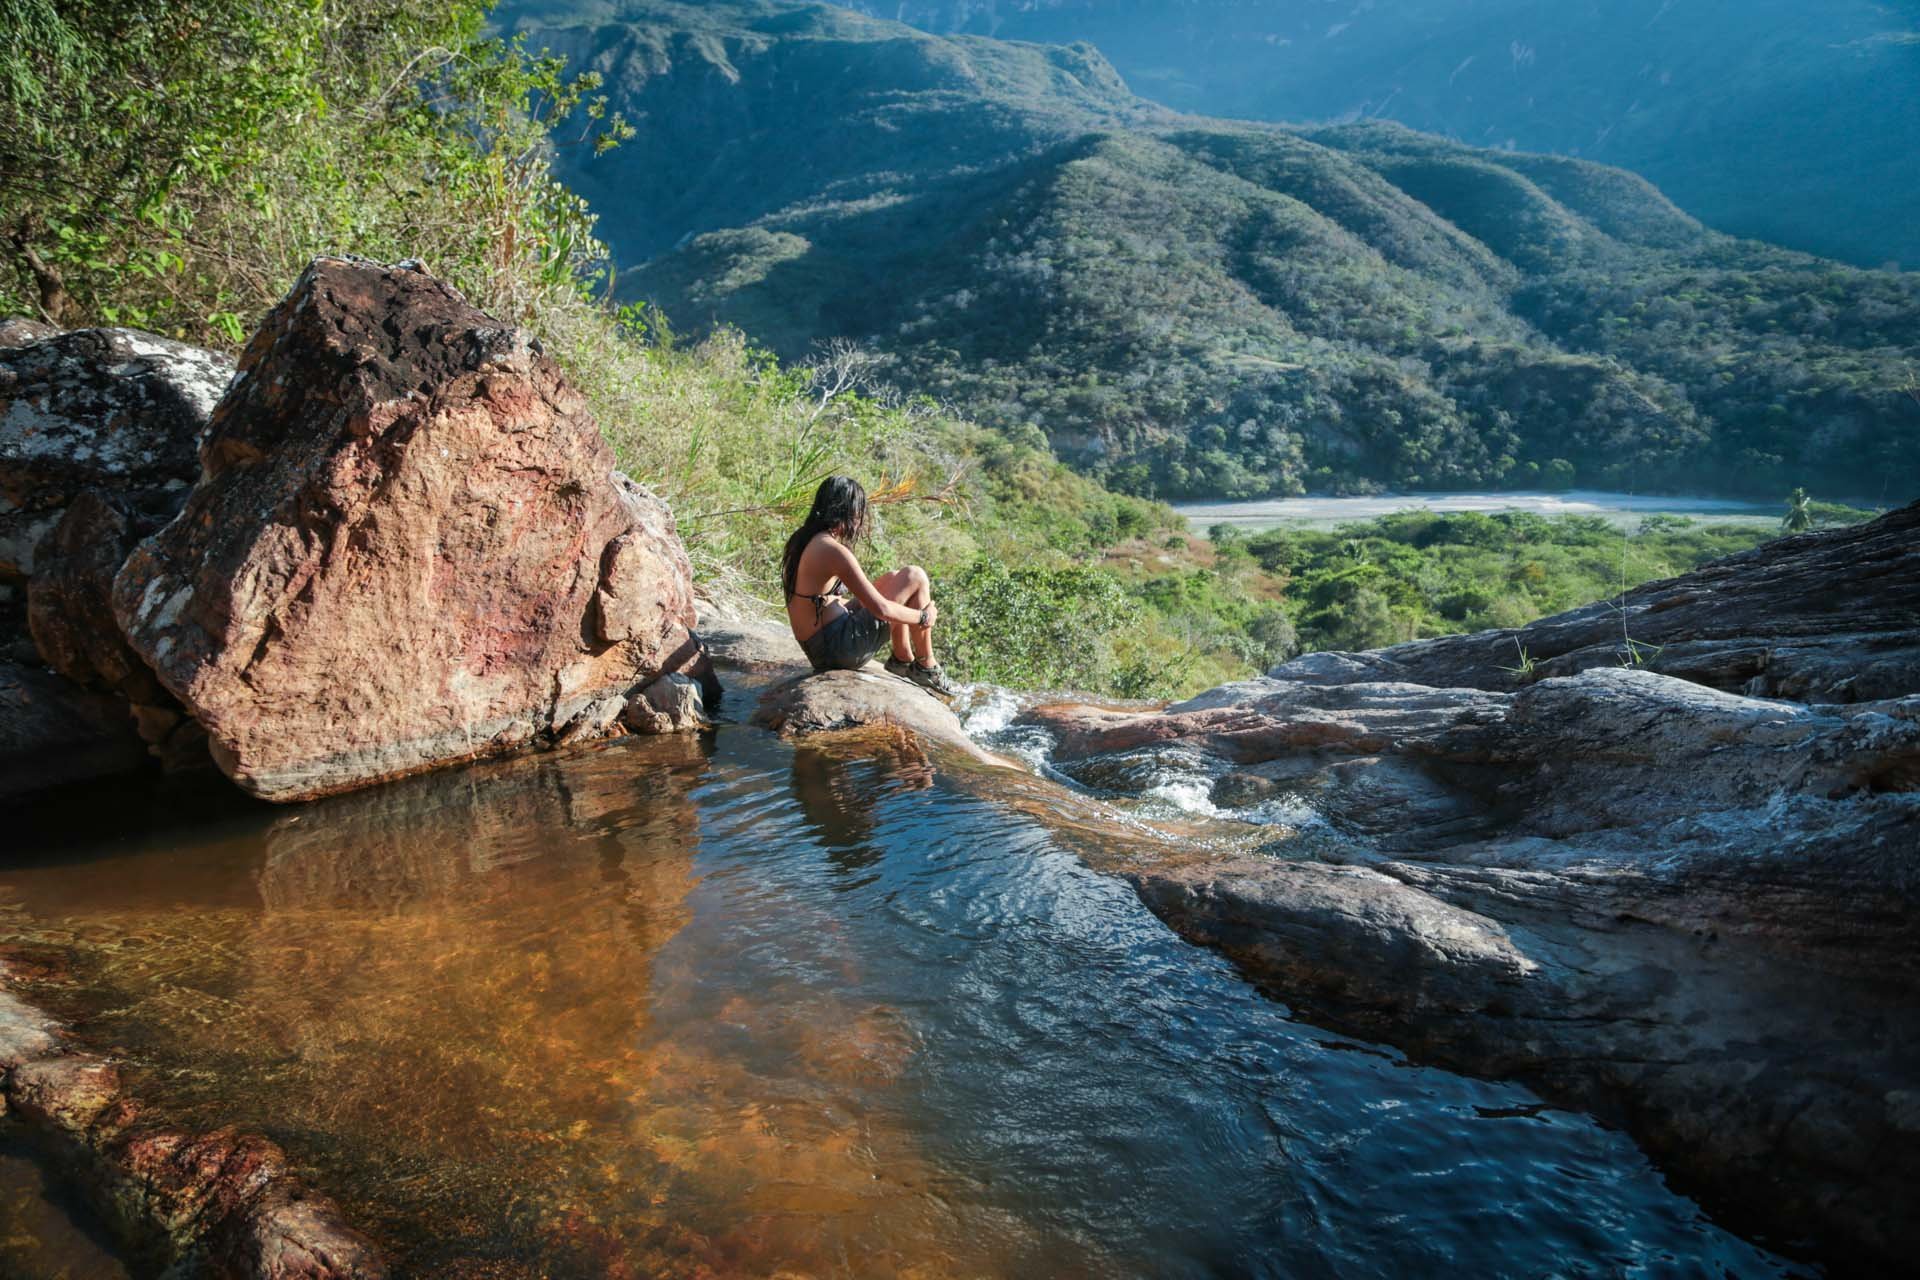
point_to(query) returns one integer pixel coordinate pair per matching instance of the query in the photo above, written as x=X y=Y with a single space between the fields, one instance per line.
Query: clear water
x=727 y=1007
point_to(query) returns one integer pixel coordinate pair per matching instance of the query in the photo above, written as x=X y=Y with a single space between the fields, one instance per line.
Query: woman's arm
x=842 y=563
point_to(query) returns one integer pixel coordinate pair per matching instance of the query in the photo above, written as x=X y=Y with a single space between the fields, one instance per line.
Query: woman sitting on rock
x=819 y=571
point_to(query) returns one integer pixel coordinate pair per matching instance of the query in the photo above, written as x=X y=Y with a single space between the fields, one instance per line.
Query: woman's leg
x=911 y=587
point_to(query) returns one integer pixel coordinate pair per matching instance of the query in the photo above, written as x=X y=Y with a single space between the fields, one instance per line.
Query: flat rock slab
x=1829 y=616
x=1678 y=892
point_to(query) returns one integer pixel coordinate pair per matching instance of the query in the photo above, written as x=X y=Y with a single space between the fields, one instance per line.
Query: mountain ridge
x=1195 y=307
x=1766 y=118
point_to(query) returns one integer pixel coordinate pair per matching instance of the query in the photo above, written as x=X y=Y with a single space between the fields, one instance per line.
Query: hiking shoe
x=932 y=679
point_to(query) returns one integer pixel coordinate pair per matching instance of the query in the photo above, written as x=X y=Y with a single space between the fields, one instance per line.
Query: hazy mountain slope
x=1777 y=119
x=745 y=109
x=1193 y=306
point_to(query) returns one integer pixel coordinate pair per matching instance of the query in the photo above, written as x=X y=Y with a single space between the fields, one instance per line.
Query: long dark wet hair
x=839 y=508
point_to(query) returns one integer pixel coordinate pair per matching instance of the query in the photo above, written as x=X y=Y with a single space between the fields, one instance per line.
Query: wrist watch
x=923 y=618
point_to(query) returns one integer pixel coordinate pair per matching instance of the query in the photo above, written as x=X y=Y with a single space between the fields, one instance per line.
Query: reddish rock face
x=408 y=548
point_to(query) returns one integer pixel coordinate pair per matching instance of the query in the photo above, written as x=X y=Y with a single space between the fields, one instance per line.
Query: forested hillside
x=1184 y=306
x=1778 y=119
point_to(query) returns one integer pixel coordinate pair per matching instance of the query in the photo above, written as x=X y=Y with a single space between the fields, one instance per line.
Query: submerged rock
x=408 y=548
x=223 y=1203
x=1692 y=911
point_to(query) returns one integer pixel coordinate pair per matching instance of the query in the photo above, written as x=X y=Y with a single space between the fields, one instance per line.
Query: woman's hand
x=929 y=615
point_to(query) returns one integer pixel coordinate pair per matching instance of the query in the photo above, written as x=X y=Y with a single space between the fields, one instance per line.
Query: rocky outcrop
x=408 y=547
x=1821 y=617
x=112 y=410
x=99 y=442
x=797 y=702
x=1694 y=912
x=223 y=1203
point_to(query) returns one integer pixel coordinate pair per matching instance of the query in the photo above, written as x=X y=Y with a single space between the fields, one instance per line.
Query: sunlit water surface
x=721 y=1006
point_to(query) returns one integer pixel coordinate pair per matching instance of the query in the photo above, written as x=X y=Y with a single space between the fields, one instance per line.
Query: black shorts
x=847 y=642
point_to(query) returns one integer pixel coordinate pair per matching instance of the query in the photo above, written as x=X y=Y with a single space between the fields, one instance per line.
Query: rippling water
x=729 y=1007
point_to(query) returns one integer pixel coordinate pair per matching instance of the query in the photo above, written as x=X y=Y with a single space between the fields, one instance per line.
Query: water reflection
x=837 y=782
x=725 y=1007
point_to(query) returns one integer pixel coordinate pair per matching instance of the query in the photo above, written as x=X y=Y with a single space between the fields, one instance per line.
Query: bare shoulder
x=831 y=549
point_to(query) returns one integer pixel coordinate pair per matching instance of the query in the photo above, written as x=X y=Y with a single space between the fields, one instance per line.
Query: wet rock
x=408 y=548
x=1828 y=616
x=25 y=1032
x=67 y=1092
x=831 y=701
x=1688 y=909
x=286 y=1236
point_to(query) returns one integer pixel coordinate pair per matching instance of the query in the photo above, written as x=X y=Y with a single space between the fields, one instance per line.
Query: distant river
x=1621 y=508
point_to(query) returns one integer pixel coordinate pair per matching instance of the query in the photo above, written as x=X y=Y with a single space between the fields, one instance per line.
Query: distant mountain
x=1187 y=306
x=1784 y=120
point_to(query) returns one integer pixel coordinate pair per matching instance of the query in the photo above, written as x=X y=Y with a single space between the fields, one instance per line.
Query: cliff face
x=1687 y=904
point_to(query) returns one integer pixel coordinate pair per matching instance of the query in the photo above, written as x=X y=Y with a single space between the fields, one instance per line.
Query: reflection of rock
x=408 y=548
x=839 y=803
x=452 y=972
x=830 y=701
x=451 y=836
x=1692 y=911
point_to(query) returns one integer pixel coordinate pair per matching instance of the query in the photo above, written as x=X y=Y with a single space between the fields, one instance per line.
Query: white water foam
x=1182 y=787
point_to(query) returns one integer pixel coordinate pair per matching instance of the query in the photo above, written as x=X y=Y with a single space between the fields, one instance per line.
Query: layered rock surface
x=1692 y=911
x=797 y=702
x=1832 y=616
x=408 y=547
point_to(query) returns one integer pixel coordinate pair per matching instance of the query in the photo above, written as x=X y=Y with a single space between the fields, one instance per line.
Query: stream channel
x=721 y=1005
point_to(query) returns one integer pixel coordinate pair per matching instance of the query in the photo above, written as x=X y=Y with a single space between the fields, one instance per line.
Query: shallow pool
x=721 y=1006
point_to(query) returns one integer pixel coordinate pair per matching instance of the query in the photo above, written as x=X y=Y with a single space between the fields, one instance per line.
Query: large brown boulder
x=408 y=547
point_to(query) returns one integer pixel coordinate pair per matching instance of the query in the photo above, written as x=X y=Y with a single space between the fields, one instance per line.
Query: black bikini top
x=836 y=591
